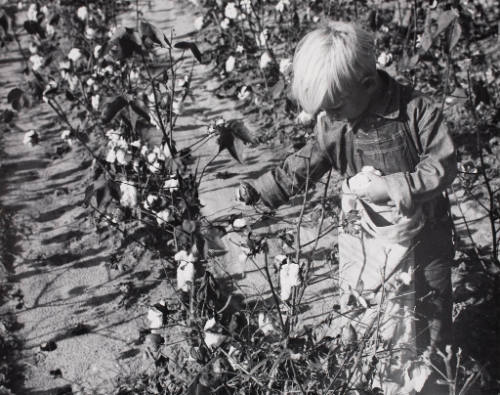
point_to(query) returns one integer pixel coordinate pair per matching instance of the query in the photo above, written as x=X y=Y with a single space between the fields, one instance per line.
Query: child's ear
x=368 y=82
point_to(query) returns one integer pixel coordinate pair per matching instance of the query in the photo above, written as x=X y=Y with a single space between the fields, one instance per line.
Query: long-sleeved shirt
x=408 y=141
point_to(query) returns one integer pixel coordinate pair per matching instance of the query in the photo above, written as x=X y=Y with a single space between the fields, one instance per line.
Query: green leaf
x=444 y=20
x=112 y=108
x=192 y=47
x=189 y=226
x=54 y=21
x=128 y=42
x=139 y=109
x=456 y=32
x=277 y=89
x=33 y=27
x=147 y=30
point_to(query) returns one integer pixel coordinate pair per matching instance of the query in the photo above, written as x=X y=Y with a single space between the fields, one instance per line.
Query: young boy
x=366 y=118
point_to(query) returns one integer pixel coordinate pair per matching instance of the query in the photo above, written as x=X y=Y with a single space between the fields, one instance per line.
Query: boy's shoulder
x=410 y=98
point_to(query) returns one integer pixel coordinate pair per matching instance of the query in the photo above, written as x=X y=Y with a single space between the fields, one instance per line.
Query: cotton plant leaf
x=150 y=31
x=18 y=99
x=128 y=42
x=112 y=107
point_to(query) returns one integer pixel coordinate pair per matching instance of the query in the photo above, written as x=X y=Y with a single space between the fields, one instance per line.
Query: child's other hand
x=247 y=194
x=376 y=191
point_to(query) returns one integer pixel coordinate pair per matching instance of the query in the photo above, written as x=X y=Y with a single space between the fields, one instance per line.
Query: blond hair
x=328 y=61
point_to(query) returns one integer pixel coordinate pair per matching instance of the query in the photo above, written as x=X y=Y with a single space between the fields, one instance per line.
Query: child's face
x=349 y=105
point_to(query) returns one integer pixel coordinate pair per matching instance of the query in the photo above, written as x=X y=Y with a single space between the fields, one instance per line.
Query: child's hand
x=247 y=194
x=376 y=191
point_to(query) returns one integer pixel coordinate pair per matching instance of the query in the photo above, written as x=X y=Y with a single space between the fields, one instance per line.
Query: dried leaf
x=192 y=47
x=147 y=30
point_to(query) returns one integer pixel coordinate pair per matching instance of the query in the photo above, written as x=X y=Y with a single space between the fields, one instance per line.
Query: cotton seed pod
x=230 y=63
x=289 y=277
x=185 y=276
x=155 y=317
x=163 y=217
x=213 y=335
x=266 y=324
x=129 y=195
x=111 y=156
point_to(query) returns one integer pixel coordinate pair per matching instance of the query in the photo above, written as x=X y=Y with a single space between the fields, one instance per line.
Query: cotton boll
x=36 y=62
x=266 y=324
x=171 y=184
x=155 y=317
x=384 y=59
x=244 y=93
x=97 y=50
x=289 y=277
x=90 y=33
x=212 y=334
x=286 y=66
x=82 y=13
x=163 y=217
x=32 y=12
x=129 y=195
x=74 y=54
x=231 y=11
x=95 y=101
x=185 y=276
x=198 y=23
x=230 y=63
x=66 y=134
x=265 y=60
x=184 y=256
x=225 y=23
x=122 y=157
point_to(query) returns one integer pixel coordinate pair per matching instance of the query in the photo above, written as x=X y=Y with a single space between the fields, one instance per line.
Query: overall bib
x=377 y=264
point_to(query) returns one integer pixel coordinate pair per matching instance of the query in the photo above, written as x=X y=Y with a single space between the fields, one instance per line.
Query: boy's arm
x=437 y=166
x=315 y=158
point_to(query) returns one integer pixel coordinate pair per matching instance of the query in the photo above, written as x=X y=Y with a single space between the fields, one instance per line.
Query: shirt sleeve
x=437 y=165
x=316 y=158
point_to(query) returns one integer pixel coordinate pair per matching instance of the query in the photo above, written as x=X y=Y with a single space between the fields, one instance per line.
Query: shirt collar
x=390 y=100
